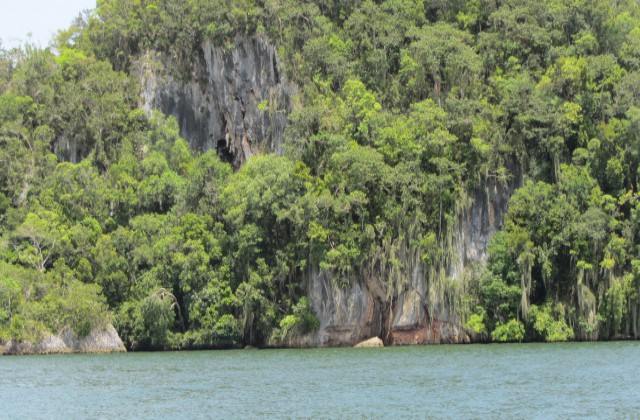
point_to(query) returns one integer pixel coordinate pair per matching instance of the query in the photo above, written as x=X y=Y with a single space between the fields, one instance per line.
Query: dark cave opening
x=224 y=153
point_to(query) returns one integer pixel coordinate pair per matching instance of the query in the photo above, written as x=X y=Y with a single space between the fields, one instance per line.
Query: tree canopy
x=404 y=108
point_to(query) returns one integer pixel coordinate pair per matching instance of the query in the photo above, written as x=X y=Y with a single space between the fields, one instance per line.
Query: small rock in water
x=372 y=342
x=247 y=347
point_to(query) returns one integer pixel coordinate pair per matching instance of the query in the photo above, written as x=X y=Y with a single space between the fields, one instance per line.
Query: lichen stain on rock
x=479 y=221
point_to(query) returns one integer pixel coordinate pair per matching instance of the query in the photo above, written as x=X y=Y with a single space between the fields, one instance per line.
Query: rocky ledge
x=100 y=340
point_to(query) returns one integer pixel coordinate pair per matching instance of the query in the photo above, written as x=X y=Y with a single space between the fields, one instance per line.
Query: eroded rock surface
x=101 y=340
x=352 y=314
x=235 y=100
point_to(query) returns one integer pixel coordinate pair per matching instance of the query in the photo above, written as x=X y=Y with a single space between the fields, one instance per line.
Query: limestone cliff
x=417 y=319
x=235 y=100
x=418 y=314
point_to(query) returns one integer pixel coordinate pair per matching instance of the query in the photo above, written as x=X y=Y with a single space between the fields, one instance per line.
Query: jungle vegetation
x=405 y=106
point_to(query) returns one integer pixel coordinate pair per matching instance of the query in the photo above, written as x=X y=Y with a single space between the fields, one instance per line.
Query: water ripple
x=587 y=380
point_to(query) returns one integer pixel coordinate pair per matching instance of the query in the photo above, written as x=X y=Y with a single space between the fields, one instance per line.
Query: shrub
x=510 y=332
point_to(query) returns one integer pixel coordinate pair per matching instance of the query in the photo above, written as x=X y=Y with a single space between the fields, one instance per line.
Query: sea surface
x=570 y=380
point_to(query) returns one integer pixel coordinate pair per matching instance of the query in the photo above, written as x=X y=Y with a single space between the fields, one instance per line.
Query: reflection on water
x=474 y=381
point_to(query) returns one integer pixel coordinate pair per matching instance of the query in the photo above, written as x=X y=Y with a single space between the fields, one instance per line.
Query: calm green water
x=599 y=380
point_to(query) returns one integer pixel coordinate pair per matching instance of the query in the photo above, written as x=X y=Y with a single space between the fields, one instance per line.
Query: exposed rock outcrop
x=415 y=321
x=347 y=315
x=103 y=339
x=370 y=343
x=350 y=315
x=235 y=101
x=481 y=220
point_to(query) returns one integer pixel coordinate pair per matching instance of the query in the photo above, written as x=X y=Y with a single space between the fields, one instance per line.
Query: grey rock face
x=475 y=227
x=350 y=315
x=235 y=100
x=67 y=150
x=100 y=340
x=480 y=221
x=347 y=315
x=410 y=313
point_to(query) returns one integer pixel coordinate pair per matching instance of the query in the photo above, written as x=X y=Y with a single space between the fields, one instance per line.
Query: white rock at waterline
x=372 y=342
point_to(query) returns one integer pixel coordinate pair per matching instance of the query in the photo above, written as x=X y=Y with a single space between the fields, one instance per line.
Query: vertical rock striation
x=480 y=221
x=415 y=316
x=420 y=320
x=347 y=316
x=234 y=101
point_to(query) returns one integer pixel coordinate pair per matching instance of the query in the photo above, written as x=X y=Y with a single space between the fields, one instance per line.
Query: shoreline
x=4 y=346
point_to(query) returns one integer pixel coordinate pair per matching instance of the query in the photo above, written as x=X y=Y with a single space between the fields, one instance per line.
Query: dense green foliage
x=405 y=107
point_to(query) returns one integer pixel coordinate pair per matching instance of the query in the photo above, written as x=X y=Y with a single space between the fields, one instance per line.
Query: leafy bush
x=302 y=321
x=510 y=332
x=549 y=323
x=476 y=323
